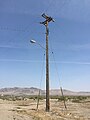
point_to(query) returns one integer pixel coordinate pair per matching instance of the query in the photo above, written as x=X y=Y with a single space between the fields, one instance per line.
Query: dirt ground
x=26 y=110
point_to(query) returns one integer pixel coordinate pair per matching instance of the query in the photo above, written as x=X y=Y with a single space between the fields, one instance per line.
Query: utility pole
x=48 y=19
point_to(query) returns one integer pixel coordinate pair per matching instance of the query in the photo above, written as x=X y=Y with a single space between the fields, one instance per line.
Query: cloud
x=19 y=60
x=13 y=47
x=39 y=61
x=16 y=47
x=71 y=62
x=7 y=46
x=80 y=46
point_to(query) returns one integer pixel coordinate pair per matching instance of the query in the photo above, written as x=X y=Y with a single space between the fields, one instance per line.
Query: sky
x=22 y=64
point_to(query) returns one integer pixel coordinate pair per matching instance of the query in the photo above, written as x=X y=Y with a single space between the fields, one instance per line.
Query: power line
x=42 y=71
x=58 y=76
x=52 y=4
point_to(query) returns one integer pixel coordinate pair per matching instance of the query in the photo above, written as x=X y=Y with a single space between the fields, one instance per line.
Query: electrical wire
x=42 y=71
x=58 y=76
x=51 y=4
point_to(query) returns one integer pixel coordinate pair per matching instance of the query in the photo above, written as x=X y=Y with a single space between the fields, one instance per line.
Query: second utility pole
x=48 y=19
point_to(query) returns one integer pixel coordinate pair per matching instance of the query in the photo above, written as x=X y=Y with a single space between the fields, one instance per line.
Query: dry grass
x=27 y=108
x=74 y=111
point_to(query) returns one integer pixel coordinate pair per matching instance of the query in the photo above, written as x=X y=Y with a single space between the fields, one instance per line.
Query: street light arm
x=41 y=46
x=33 y=41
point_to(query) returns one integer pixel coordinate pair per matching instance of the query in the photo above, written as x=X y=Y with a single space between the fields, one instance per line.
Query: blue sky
x=21 y=62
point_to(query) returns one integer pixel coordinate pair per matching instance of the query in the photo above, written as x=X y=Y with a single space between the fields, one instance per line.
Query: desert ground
x=27 y=110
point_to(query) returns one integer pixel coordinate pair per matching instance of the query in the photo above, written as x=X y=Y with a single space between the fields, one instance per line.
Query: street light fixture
x=34 y=42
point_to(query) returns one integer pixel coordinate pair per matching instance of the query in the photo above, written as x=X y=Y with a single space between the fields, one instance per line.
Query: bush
x=62 y=99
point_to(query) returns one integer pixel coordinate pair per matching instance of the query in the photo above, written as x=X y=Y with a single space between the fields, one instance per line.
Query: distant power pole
x=48 y=19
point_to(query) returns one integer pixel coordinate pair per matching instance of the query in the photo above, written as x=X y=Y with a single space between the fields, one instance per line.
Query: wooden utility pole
x=48 y=19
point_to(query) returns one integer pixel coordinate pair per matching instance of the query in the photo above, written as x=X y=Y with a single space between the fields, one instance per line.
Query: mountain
x=68 y=92
x=20 y=91
x=35 y=91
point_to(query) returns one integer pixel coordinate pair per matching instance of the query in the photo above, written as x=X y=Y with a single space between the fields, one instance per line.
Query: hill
x=35 y=91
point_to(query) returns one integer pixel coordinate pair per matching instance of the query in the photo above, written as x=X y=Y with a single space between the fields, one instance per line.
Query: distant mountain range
x=35 y=91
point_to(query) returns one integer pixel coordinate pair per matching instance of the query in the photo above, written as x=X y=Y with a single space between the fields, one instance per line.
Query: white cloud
x=20 y=60
x=72 y=62
x=80 y=46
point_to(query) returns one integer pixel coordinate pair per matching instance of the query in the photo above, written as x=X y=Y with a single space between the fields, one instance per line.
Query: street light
x=47 y=72
x=34 y=42
x=45 y=23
